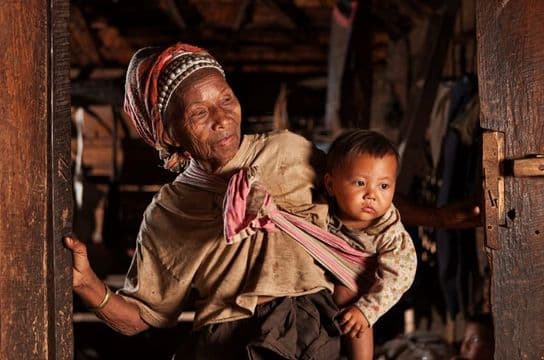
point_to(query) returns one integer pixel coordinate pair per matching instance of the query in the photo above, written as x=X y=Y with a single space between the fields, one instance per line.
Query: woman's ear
x=171 y=134
x=329 y=184
x=169 y=139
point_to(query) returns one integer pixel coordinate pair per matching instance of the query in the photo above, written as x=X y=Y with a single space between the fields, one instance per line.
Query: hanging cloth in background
x=460 y=178
x=466 y=123
x=439 y=119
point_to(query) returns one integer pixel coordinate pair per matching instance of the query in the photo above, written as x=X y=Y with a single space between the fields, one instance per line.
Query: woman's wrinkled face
x=203 y=117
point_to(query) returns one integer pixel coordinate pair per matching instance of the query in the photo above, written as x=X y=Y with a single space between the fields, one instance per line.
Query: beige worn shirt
x=393 y=268
x=181 y=246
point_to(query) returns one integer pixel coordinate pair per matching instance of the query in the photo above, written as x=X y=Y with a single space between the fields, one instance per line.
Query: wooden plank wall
x=511 y=81
x=35 y=271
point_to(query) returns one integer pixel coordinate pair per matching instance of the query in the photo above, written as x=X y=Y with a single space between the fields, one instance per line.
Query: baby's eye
x=359 y=183
x=384 y=186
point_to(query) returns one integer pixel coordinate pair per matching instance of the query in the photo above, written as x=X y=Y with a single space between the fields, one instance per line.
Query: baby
x=360 y=180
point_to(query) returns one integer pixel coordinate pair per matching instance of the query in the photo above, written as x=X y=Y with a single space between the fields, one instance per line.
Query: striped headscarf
x=152 y=77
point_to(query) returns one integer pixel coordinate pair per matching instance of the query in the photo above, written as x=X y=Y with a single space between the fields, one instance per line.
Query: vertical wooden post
x=357 y=78
x=511 y=82
x=35 y=271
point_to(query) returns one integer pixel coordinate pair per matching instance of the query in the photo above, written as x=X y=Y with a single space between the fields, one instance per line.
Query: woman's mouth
x=227 y=140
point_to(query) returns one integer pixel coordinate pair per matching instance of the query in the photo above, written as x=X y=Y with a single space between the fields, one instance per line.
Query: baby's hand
x=353 y=322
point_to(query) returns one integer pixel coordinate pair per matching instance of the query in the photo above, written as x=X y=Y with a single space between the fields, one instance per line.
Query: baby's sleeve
x=396 y=268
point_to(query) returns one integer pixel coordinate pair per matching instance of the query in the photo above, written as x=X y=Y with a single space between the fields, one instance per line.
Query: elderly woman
x=259 y=293
x=262 y=293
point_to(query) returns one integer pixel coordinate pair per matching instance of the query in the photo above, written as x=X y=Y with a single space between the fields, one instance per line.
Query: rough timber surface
x=35 y=283
x=511 y=81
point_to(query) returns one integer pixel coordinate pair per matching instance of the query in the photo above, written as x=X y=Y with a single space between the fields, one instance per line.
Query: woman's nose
x=219 y=118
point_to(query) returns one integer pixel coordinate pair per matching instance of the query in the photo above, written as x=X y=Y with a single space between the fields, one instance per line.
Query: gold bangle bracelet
x=104 y=301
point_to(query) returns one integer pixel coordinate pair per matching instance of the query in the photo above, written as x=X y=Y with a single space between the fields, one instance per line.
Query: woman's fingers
x=461 y=214
x=75 y=245
x=72 y=243
x=79 y=251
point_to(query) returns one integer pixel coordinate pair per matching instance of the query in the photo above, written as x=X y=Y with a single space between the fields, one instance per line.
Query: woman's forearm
x=114 y=310
x=412 y=214
x=462 y=214
x=118 y=313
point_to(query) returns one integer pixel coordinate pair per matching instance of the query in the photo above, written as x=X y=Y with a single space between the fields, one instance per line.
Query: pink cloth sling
x=248 y=207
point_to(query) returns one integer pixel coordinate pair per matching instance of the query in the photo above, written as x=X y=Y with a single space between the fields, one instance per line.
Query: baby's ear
x=327 y=180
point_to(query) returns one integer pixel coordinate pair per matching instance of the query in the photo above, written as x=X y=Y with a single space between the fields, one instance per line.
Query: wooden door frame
x=511 y=87
x=35 y=186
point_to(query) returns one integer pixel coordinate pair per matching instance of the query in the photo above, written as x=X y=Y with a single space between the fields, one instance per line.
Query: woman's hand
x=119 y=314
x=83 y=275
x=462 y=214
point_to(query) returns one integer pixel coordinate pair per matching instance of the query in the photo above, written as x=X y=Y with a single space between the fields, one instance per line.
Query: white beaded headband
x=179 y=69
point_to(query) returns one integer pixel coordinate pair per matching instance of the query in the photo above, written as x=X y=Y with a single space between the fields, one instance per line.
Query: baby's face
x=477 y=342
x=363 y=188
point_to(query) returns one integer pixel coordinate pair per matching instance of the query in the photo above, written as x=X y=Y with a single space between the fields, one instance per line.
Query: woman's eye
x=198 y=114
x=384 y=186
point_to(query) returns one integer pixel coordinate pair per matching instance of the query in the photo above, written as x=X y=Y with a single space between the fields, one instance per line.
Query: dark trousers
x=300 y=327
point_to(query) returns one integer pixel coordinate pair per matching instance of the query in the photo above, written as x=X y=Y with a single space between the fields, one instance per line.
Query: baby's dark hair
x=358 y=142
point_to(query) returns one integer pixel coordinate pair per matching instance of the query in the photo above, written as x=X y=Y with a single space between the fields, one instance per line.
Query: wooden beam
x=388 y=17
x=35 y=268
x=84 y=50
x=234 y=55
x=423 y=93
x=295 y=54
x=511 y=89
x=59 y=273
x=530 y=166
x=171 y=9
x=245 y=14
x=292 y=12
x=291 y=69
x=357 y=80
x=190 y=13
x=415 y=9
x=211 y=37
x=98 y=91
x=114 y=47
